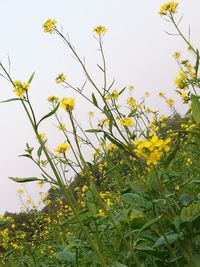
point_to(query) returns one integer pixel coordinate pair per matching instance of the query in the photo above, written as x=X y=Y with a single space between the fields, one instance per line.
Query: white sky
x=137 y=50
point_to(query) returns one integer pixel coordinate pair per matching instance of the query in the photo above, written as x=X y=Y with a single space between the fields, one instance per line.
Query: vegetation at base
x=136 y=201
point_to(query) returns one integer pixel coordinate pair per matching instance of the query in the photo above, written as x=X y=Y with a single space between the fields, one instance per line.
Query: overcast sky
x=138 y=52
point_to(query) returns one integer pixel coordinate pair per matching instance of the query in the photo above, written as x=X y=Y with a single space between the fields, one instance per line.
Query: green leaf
x=149 y=251
x=195 y=108
x=168 y=159
x=197 y=62
x=8 y=253
x=148 y=224
x=135 y=214
x=31 y=78
x=94 y=100
x=185 y=199
x=107 y=113
x=39 y=152
x=93 y=131
x=122 y=90
x=132 y=113
x=190 y=213
x=24 y=180
x=114 y=141
x=118 y=264
x=11 y=100
x=26 y=155
x=130 y=198
x=49 y=114
x=171 y=238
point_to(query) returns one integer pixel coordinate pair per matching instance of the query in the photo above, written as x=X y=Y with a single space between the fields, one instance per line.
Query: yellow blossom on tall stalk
x=61 y=127
x=176 y=55
x=168 y=8
x=113 y=96
x=40 y=184
x=100 y=30
x=49 y=25
x=61 y=78
x=127 y=122
x=20 y=88
x=130 y=87
x=20 y=191
x=53 y=99
x=67 y=104
x=62 y=148
x=170 y=101
x=91 y=114
x=131 y=102
x=161 y=94
x=42 y=136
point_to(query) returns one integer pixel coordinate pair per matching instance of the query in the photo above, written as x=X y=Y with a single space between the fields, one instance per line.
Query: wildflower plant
x=135 y=202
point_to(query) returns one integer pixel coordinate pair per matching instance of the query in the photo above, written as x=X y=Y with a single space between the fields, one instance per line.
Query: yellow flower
x=115 y=94
x=84 y=188
x=108 y=202
x=102 y=195
x=111 y=147
x=99 y=30
x=20 y=191
x=40 y=184
x=184 y=95
x=28 y=201
x=48 y=26
x=168 y=8
x=105 y=122
x=61 y=78
x=170 y=102
x=67 y=104
x=43 y=136
x=20 y=88
x=91 y=114
x=127 y=122
x=130 y=87
x=146 y=94
x=62 y=148
x=176 y=55
x=47 y=202
x=61 y=127
x=53 y=99
x=101 y=213
x=161 y=94
x=131 y=102
x=149 y=110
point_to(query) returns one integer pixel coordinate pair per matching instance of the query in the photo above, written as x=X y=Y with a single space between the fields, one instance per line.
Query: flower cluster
x=168 y=8
x=152 y=150
x=131 y=102
x=20 y=88
x=62 y=148
x=127 y=122
x=48 y=26
x=67 y=104
x=99 y=30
